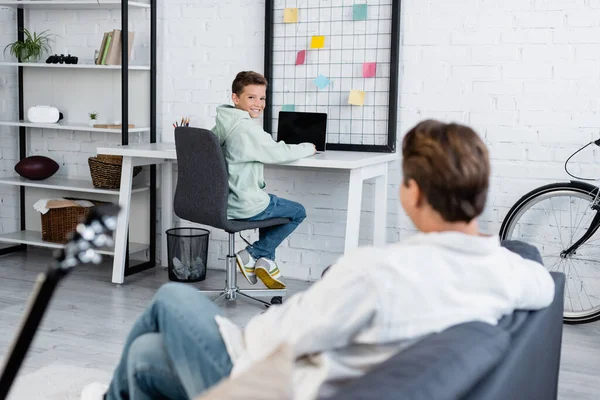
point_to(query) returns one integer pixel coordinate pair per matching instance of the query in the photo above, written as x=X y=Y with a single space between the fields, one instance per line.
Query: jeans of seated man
x=174 y=349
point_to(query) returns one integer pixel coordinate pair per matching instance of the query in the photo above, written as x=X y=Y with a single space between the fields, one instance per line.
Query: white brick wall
x=535 y=62
x=523 y=73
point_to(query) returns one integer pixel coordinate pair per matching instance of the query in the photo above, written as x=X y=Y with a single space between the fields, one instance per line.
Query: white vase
x=92 y=122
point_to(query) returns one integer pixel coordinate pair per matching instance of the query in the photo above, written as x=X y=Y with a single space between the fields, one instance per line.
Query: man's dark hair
x=450 y=164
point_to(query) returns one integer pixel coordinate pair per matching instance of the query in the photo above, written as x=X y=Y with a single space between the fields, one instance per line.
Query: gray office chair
x=201 y=197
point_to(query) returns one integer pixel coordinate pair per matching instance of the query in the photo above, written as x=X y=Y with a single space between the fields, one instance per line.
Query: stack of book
x=111 y=48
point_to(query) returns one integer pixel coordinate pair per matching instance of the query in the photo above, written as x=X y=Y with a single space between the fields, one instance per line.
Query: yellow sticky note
x=356 y=98
x=290 y=15
x=317 y=42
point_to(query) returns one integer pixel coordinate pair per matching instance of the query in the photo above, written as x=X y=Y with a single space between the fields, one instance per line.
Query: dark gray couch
x=517 y=359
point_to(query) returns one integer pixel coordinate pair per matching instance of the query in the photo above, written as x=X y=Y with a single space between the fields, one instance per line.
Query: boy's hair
x=245 y=78
x=450 y=164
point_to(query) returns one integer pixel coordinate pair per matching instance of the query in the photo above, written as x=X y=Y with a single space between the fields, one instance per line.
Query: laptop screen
x=300 y=127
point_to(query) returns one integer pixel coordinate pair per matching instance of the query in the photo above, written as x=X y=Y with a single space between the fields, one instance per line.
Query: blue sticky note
x=321 y=81
x=288 y=107
x=359 y=12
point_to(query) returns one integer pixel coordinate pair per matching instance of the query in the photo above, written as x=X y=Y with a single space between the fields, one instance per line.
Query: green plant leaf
x=32 y=47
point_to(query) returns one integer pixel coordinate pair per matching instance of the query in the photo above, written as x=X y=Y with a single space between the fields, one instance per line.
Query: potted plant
x=93 y=118
x=32 y=47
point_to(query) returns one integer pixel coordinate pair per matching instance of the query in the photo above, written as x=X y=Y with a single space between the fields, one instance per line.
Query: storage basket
x=106 y=171
x=58 y=223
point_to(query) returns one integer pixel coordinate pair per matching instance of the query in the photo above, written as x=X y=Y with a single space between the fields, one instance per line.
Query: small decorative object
x=43 y=114
x=93 y=118
x=32 y=48
x=56 y=59
x=36 y=168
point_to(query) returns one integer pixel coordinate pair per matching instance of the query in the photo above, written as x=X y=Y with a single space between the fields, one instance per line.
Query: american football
x=36 y=168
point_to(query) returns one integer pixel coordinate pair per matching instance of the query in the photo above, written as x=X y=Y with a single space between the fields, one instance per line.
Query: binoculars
x=56 y=59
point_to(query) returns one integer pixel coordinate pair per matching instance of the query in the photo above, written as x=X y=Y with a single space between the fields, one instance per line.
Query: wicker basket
x=106 y=171
x=58 y=223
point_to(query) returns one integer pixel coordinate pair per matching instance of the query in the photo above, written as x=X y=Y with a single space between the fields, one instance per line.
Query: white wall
x=523 y=73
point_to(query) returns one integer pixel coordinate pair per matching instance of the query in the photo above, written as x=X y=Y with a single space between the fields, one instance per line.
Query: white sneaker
x=268 y=272
x=246 y=264
x=94 y=391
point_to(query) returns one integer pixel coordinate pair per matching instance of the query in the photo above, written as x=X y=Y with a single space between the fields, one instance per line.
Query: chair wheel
x=277 y=300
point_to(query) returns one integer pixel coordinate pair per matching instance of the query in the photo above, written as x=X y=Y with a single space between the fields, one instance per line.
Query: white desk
x=360 y=166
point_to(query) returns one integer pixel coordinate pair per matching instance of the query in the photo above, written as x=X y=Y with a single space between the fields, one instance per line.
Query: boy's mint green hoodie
x=247 y=147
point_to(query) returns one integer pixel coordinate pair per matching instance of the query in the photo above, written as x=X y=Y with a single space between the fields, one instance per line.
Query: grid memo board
x=322 y=55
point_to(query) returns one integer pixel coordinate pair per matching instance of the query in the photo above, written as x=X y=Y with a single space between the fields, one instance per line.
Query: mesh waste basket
x=187 y=250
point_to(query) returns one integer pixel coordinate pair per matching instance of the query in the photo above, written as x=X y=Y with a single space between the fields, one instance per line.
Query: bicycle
x=567 y=242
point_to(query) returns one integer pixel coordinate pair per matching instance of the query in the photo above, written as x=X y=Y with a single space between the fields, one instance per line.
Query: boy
x=371 y=304
x=247 y=147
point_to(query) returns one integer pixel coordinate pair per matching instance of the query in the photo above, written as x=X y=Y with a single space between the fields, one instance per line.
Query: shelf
x=73 y=66
x=69 y=127
x=61 y=183
x=34 y=238
x=70 y=4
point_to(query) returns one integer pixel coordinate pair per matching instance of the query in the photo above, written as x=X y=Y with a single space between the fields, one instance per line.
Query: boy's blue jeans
x=270 y=238
x=174 y=349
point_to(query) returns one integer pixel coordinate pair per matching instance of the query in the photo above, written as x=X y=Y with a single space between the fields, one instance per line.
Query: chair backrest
x=202 y=179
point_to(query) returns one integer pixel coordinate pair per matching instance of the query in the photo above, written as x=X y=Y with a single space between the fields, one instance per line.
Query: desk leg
x=166 y=204
x=380 y=214
x=123 y=221
x=355 y=187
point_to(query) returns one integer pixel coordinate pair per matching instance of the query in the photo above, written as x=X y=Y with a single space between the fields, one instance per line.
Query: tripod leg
x=255 y=299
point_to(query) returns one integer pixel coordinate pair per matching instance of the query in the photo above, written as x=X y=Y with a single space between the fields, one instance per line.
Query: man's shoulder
x=379 y=254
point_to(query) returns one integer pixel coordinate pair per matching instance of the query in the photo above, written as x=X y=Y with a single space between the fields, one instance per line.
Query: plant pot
x=93 y=122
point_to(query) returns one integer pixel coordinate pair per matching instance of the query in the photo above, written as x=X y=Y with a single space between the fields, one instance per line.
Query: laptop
x=301 y=127
x=95 y=232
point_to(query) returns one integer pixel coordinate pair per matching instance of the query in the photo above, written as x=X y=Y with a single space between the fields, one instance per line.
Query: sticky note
x=356 y=98
x=317 y=42
x=288 y=107
x=301 y=57
x=321 y=81
x=369 y=69
x=290 y=15
x=359 y=12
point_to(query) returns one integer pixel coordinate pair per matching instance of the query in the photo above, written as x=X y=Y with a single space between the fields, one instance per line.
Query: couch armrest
x=442 y=366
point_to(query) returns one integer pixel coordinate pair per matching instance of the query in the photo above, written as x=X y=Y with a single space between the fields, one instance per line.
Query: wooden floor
x=90 y=317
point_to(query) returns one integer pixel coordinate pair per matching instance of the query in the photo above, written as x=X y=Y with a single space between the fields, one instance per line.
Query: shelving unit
x=61 y=183
x=34 y=238
x=73 y=4
x=76 y=66
x=70 y=127
x=25 y=237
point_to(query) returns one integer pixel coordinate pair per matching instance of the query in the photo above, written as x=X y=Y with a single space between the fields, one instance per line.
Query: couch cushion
x=441 y=366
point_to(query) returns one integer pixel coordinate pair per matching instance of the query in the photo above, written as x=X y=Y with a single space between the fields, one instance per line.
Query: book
x=106 y=48
x=116 y=49
x=101 y=49
x=112 y=126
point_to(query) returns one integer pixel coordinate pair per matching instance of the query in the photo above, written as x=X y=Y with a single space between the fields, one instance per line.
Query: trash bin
x=187 y=250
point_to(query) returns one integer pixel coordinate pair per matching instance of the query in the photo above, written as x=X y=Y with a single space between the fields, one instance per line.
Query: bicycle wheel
x=561 y=220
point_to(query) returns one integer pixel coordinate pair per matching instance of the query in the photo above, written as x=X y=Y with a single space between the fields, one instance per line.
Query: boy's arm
x=328 y=315
x=257 y=145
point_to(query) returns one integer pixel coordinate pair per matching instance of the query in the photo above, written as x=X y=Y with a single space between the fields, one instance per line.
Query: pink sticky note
x=300 y=57
x=369 y=69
